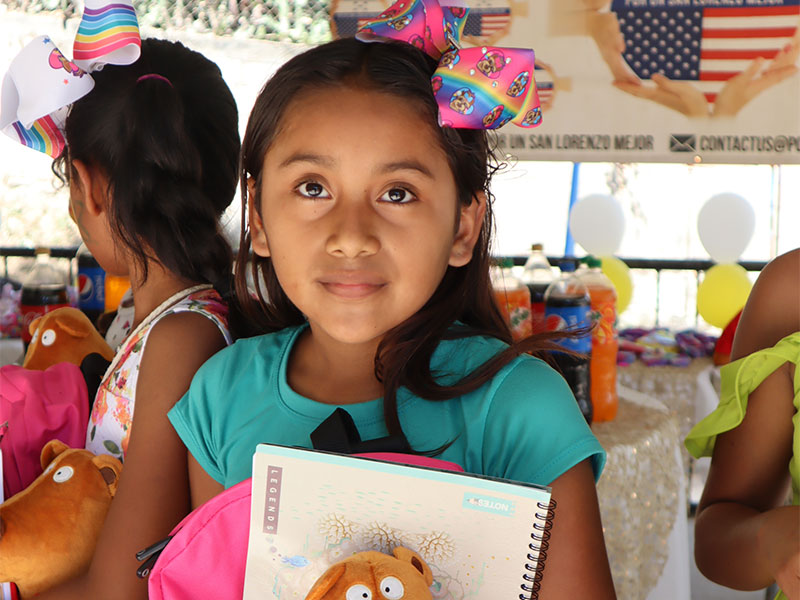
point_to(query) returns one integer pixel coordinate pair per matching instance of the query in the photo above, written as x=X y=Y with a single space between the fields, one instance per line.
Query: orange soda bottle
x=513 y=298
x=603 y=365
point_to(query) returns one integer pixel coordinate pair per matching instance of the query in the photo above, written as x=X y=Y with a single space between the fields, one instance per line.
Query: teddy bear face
x=56 y=520
x=376 y=576
x=63 y=335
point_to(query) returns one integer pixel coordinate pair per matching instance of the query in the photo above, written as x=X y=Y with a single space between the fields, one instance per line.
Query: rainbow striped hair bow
x=475 y=88
x=41 y=83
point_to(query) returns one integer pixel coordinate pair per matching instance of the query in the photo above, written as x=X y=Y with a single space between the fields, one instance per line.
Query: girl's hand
x=779 y=542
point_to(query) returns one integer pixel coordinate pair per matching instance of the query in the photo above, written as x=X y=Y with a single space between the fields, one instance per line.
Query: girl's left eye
x=312 y=189
x=398 y=196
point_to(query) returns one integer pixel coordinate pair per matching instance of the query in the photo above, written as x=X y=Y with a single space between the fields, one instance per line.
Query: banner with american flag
x=708 y=43
x=698 y=81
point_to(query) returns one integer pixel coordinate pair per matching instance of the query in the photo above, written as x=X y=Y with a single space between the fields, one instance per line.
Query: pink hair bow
x=475 y=88
x=41 y=83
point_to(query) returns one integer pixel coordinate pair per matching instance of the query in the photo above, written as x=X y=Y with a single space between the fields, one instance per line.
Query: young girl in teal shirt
x=370 y=224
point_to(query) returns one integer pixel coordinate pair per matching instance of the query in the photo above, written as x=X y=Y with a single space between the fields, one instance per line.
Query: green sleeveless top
x=739 y=379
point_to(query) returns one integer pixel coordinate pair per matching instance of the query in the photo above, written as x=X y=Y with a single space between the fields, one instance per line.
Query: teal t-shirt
x=523 y=424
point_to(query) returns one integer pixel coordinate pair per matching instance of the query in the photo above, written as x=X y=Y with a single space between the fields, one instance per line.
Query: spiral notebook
x=482 y=538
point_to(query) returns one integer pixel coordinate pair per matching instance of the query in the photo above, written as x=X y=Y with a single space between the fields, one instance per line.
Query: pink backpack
x=208 y=549
x=38 y=406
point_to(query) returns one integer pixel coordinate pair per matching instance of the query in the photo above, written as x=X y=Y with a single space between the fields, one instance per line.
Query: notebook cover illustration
x=312 y=509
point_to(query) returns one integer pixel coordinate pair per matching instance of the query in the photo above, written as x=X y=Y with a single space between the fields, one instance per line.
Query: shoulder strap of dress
x=148 y=320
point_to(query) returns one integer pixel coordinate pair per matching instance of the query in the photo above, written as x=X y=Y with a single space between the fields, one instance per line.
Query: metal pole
x=569 y=246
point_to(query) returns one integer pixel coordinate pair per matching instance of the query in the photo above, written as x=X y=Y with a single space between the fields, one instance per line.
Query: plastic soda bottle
x=513 y=299
x=603 y=366
x=44 y=289
x=91 y=284
x=115 y=288
x=567 y=307
x=537 y=274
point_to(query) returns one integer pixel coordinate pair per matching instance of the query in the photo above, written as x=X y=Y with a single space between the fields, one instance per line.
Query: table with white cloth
x=685 y=391
x=676 y=388
x=642 y=496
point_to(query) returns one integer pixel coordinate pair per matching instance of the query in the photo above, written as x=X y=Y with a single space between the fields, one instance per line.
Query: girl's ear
x=469 y=229
x=258 y=237
x=92 y=186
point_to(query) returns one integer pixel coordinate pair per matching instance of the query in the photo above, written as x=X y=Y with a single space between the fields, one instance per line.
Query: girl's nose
x=353 y=232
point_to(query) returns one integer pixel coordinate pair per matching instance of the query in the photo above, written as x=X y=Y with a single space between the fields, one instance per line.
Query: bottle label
x=91 y=288
x=32 y=312
x=520 y=322
x=537 y=317
x=516 y=308
x=567 y=318
x=604 y=316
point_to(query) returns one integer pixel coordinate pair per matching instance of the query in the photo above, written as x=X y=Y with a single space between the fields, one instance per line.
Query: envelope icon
x=682 y=143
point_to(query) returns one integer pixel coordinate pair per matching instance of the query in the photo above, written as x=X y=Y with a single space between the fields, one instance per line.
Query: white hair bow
x=41 y=83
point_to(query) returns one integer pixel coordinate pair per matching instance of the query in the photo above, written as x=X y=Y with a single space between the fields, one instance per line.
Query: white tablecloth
x=11 y=350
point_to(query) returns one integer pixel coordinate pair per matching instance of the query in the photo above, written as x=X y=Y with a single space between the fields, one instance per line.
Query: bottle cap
x=568 y=266
x=536 y=247
x=592 y=262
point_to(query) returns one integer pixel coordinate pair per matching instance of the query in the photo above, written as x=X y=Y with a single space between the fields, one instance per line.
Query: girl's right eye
x=312 y=189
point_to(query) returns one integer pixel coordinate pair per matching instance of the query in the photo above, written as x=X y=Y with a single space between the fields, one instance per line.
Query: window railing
x=663 y=282
x=647 y=273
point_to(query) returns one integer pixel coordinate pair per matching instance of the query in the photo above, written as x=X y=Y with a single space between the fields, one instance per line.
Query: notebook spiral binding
x=539 y=546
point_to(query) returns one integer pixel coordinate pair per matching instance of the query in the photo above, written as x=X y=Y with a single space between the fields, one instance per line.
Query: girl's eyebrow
x=330 y=162
x=405 y=165
x=318 y=159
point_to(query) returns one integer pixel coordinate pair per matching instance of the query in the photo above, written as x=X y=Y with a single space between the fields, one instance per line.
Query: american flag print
x=545 y=84
x=348 y=15
x=706 y=45
x=487 y=20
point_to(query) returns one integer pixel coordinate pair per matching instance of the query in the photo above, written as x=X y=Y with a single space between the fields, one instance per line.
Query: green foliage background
x=304 y=21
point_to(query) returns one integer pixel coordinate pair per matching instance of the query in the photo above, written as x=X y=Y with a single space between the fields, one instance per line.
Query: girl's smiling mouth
x=352 y=284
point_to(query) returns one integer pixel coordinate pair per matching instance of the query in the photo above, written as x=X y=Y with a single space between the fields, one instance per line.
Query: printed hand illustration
x=748 y=84
x=604 y=29
x=677 y=95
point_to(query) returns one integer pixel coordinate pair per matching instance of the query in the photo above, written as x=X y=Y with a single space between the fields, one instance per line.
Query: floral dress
x=109 y=426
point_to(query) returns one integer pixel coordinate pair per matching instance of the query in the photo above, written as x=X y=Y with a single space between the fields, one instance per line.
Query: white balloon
x=725 y=224
x=597 y=223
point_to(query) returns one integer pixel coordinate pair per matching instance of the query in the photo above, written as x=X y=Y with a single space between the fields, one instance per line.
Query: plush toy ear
x=416 y=561
x=52 y=449
x=110 y=469
x=73 y=324
x=34 y=324
x=324 y=584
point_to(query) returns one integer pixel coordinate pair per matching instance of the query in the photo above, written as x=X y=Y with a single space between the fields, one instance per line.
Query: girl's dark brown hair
x=170 y=148
x=463 y=305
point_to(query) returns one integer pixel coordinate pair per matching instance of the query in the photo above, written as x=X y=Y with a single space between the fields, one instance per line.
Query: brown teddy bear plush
x=46 y=398
x=377 y=576
x=63 y=335
x=49 y=530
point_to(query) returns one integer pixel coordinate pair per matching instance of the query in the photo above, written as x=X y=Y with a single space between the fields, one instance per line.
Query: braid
x=165 y=131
